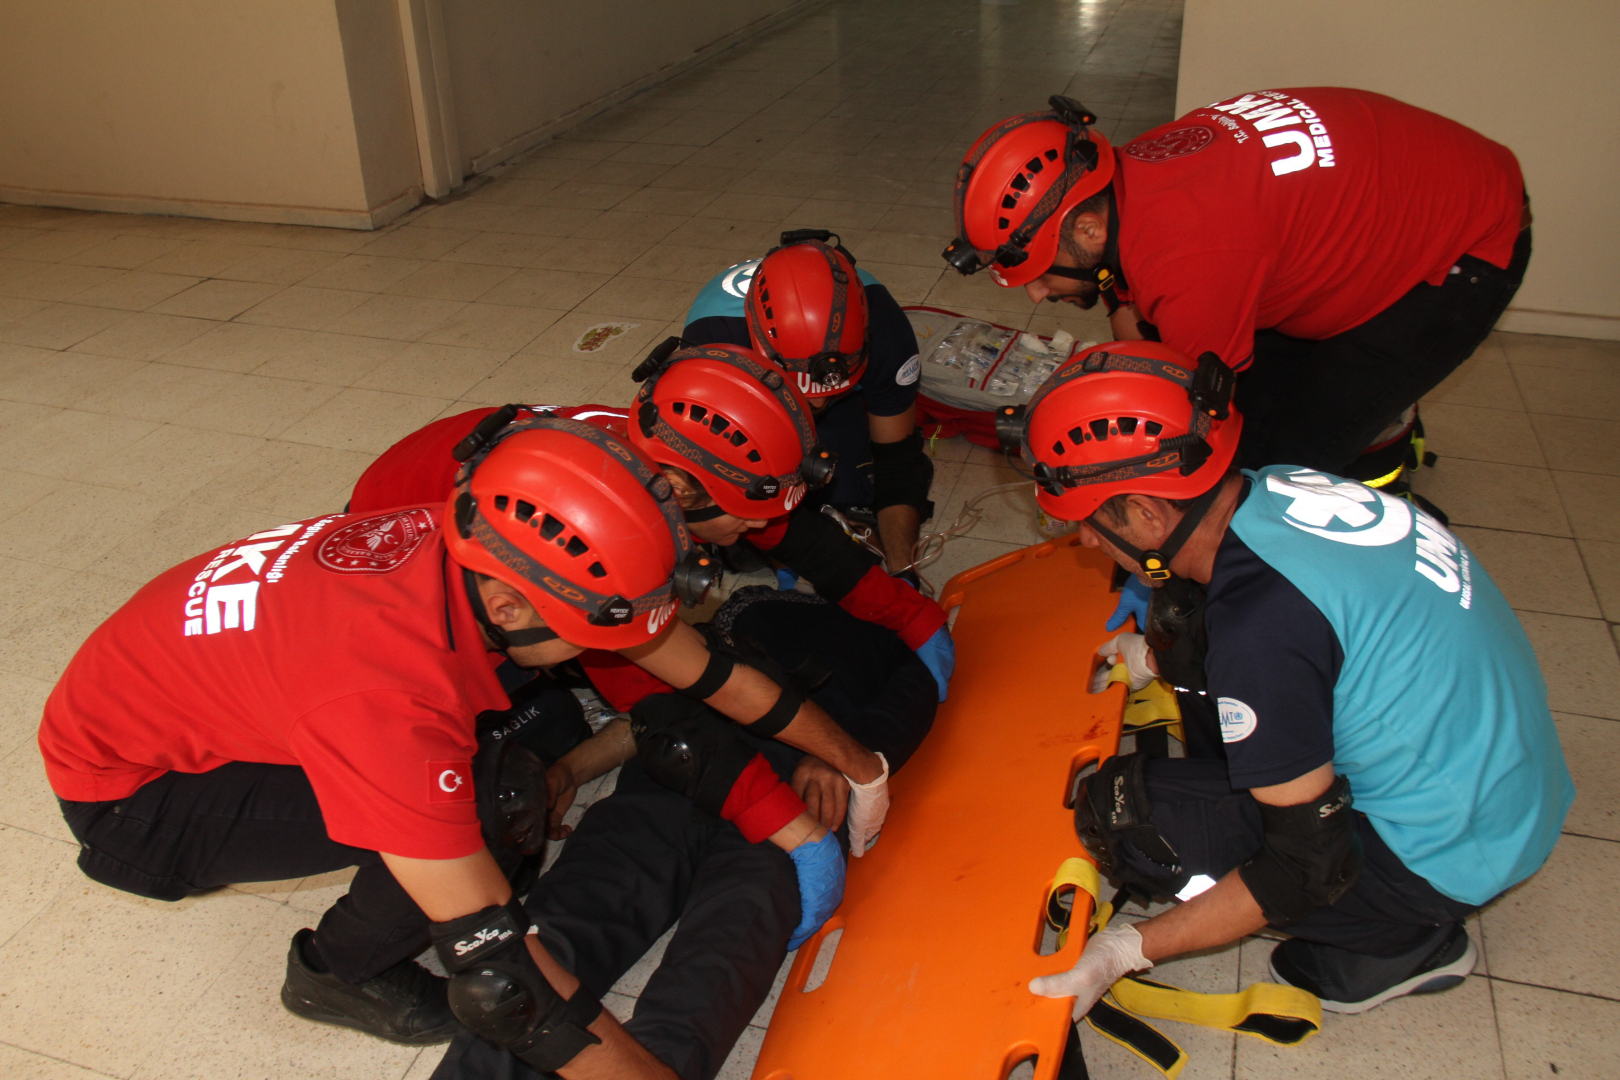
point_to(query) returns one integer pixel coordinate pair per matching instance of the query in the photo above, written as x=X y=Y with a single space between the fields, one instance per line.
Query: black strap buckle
x=1211 y=389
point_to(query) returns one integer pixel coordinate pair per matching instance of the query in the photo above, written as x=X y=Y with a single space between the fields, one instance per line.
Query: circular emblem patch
x=1237 y=719
x=375 y=545
x=1172 y=144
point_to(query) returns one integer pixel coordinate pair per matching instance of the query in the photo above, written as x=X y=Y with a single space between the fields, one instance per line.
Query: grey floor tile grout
x=1546 y=986
x=1589 y=836
x=64 y=1061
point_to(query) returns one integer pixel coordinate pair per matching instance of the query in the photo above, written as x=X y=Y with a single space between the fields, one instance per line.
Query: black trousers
x=844 y=429
x=641 y=859
x=186 y=833
x=1215 y=828
x=1321 y=403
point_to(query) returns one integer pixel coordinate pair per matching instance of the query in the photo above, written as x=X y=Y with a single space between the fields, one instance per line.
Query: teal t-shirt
x=1439 y=711
x=724 y=293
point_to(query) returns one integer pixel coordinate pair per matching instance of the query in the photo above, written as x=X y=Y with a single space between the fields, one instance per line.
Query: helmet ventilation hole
x=1099 y=429
x=550 y=527
x=753 y=455
x=501 y=502
x=719 y=424
x=738 y=438
x=576 y=547
x=1127 y=425
x=1002 y=223
x=524 y=510
x=679 y=408
x=698 y=412
x=597 y=570
x=1051 y=155
x=1077 y=435
x=1021 y=182
x=1152 y=429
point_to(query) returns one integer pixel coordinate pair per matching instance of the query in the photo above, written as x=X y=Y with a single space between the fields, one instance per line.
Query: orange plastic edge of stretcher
x=889 y=1005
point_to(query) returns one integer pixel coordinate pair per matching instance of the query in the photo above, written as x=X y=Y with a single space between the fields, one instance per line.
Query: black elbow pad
x=1310 y=858
x=902 y=473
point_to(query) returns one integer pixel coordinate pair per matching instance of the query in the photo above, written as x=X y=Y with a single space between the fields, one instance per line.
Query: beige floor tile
x=426 y=1063
x=251 y=405
x=402 y=318
x=145 y=336
x=739 y=1064
x=1578 y=661
x=13 y=308
x=513 y=190
x=735 y=206
x=19 y=491
x=910 y=249
x=202 y=258
x=92 y=951
x=584 y=194
x=561 y=340
x=835 y=214
x=52 y=865
x=26 y=1063
x=321 y=357
x=549 y=220
x=1084 y=325
x=653 y=200
x=1008 y=516
x=438 y=371
x=413 y=242
x=1573 y=950
x=555 y=290
x=216 y=299
x=135 y=290
x=1592 y=750
x=239 y=347
x=500 y=249
x=592 y=256
x=675 y=262
x=26 y=800
x=60 y=326
x=640 y=298
x=304 y=308
x=629 y=227
x=1480 y=380
x=1603 y=565
x=239 y=1027
x=953 y=292
x=187 y=528
x=71 y=523
x=313 y=895
x=1547 y=1033
x=1592 y=503
x=1561 y=391
x=498 y=327
x=70 y=443
x=279 y=266
x=289 y=481
x=39 y=644
x=148 y=464
x=363 y=273
x=364 y=420
x=126 y=252
x=535 y=379
x=11 y=235
x=728 y=234
x=22 y=699
x=1467 y=431
x=54 y=246
x=907 y=284
x=962 y=554
x=1578 y=444
x=1574 y=354
x=1535 y=573
x=451 y=280
x=45 y=281
x=1495 y=496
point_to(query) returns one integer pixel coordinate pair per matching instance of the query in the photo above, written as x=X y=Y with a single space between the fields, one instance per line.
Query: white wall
x=1538 y=76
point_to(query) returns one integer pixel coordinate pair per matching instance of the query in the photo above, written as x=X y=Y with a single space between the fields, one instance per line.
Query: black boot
x=405 y=1004
x=1352 y=982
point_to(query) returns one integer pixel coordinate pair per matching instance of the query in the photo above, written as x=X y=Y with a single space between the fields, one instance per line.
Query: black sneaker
x=1352 y=982
x=405 y=1004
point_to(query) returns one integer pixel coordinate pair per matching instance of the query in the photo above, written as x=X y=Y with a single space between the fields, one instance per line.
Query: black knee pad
x=499 y=993
x=1114 y=819
x=688 y=749
x=1310 y=858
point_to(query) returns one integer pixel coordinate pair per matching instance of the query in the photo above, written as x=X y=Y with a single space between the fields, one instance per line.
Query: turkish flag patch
x=449 y=781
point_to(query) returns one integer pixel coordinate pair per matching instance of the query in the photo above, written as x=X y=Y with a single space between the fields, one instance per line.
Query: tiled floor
x=168 y=384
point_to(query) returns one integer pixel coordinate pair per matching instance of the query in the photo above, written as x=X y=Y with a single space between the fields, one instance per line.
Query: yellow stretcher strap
x=1153 y=706
x=1082 y=875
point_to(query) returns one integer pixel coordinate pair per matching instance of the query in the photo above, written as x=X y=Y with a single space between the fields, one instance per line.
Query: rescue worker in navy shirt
x=807 y=307
x=1390 y=765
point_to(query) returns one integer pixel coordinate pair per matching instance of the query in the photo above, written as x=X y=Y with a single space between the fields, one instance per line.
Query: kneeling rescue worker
x=304 y=700
x=1390 y=764
x=734 y=437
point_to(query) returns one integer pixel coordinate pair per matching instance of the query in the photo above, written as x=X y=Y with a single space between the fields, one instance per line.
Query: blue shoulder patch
x=724 y=293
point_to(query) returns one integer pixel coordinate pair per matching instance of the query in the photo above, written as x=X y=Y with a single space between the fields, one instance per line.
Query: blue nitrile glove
x=1133 y=600
x=939 y=653
x=820 y=867
x=786 y=579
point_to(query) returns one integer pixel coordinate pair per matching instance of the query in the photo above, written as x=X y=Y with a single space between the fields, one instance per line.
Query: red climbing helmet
x=1128 y=417
x=734 y=420
x=579 y=523
x=1016 y=185
x=807 y=312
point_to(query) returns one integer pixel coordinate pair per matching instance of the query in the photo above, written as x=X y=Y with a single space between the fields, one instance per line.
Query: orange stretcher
x=943 y=919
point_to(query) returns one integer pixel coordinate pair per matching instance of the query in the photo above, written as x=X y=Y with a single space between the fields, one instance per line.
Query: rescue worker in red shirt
x=304 y=700
x=734 y=437
x=1341 y=250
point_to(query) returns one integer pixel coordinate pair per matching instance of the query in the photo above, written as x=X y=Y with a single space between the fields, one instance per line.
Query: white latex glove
x=1131 y=648
x=1108 y=957
x=868 y=806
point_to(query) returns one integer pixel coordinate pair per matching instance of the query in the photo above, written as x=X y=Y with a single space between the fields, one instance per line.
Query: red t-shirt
x=344 y=645
x=1306 y=211
x=420 y=471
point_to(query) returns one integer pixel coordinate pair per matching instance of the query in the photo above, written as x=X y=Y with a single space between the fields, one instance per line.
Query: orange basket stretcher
x=942 y=920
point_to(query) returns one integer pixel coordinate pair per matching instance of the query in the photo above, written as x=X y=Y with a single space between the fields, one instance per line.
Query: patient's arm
x=596 y=756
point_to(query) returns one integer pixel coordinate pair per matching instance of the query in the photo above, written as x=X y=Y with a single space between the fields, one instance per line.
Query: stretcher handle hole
x=1022 y=1069
x=1085 y=763
x=826 y=949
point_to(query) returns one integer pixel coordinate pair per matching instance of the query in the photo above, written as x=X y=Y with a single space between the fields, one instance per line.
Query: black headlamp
x=818 y=466
x=695 y=575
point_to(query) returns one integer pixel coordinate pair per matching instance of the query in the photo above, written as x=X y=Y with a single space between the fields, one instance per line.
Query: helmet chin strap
x=503 y=640
x=1155 y=564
